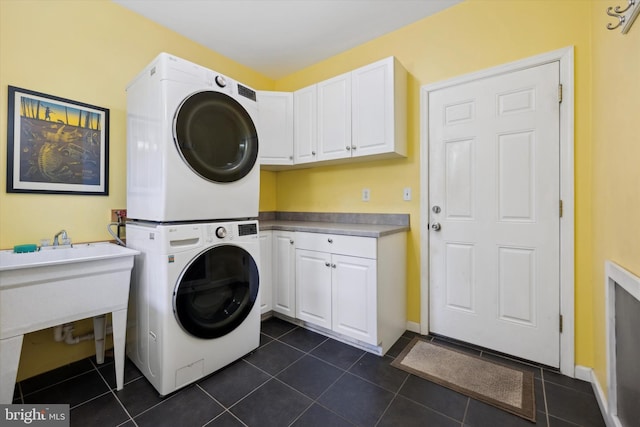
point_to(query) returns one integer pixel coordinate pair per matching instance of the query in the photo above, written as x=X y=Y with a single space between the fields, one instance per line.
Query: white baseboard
x=587 y=374
x=583 y=373
x=413 y=327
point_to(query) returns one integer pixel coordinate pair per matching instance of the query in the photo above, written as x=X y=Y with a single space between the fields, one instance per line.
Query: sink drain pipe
x=64 y=333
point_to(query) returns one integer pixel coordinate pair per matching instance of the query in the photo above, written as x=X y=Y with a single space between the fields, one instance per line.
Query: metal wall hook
x=630 y=4
x=621 y=18
x=625 y=15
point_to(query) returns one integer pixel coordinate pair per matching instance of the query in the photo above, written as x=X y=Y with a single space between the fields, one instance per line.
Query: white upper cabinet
x=360 y=114
x=378 y=108
x=275 y=127
x=334 y=118
x=305 y=124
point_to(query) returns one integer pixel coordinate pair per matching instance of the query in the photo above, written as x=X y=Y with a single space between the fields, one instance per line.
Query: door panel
x=284 y=273
x=334 y=118
x=354 y=297
x=494 y=175
x=313 y=287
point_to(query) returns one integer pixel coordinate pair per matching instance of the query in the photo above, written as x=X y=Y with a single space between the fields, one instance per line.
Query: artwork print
x=55 y=145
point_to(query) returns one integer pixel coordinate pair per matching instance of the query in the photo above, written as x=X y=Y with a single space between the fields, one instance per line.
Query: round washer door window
x=216 y=136
x=216 y=292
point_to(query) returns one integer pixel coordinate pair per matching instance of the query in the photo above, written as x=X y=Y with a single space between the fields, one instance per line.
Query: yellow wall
x=470 y=36
x=616 y=157
x=88 y=52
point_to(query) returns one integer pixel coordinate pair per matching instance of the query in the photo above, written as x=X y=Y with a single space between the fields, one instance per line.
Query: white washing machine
x=194 y=300
x=192 y=144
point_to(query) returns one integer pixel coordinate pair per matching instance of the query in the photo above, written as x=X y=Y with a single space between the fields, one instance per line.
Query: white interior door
x=494 y=196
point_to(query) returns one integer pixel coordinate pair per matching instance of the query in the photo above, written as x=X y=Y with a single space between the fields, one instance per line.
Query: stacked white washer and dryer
x=192 y=205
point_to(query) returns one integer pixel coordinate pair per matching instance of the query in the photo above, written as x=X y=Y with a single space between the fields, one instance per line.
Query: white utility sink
x=42 y=289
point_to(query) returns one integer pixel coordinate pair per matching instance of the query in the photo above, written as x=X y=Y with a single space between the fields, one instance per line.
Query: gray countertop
x=372 y=225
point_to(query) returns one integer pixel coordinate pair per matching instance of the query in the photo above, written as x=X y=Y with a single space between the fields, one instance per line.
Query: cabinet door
x=284 y=291
x=334 y=118
x=266 y=261
x=313 y=287
x=305 y=124
x=275 y=127
x=354 y=297
x=378 y=108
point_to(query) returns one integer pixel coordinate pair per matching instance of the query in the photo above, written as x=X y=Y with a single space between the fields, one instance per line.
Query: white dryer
x=194 y=299
x=192 y=144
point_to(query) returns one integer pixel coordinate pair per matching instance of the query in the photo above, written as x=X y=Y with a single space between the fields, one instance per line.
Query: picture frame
x=56 y=145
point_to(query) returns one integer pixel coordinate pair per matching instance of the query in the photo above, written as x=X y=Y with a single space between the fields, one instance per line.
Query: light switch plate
x=366 y=194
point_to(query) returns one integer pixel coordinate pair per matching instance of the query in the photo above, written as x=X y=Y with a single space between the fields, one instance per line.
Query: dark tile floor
x=300 y=378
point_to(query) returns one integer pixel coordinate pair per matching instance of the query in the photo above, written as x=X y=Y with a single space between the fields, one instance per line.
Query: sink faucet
x=62 y=233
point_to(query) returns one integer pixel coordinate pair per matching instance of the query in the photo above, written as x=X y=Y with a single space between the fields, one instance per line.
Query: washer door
x=215 y=136
x=216 y=291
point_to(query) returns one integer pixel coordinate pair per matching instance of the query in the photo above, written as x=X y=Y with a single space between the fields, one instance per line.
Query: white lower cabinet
x=354 y=297
x=283 y=273
x=353 y=286
x=313 y=287
x=266 y=262
x=337 y=292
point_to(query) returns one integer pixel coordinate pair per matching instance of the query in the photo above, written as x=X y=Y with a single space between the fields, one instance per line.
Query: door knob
x=436 y=226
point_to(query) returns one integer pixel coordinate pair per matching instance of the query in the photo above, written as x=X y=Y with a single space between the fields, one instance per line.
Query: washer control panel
x=221 y=232
x=247 y=229
x=230 y=231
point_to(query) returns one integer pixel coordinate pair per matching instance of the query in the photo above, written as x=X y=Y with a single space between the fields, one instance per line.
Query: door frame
x=565 y=56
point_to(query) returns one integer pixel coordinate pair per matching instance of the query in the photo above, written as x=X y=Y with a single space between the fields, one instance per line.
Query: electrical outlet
x=366 y=194
x=118 y=215
x=406 y=193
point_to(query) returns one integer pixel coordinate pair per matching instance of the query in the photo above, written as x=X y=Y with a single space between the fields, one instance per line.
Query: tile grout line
x=395 y=396
x=274 y=376
x=466 y=410
x=544 y=396
x=115 y=395
x=316 y=400
x=226 y=410
x=58 y=383
x=347 y=371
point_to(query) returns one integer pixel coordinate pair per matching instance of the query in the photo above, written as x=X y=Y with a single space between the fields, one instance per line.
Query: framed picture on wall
x=56 y=145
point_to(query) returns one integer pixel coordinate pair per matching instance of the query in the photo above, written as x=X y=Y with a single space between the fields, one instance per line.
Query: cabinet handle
x=291 y=242
x=327 y=264
x=313 y=153
x=348 y=148
x=290 y=157
x=330 y=240
x=333 y=266
x=353 y=147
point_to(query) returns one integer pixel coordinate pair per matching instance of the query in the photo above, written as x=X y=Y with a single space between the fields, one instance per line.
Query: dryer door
x=216 y=291
x=215 y=136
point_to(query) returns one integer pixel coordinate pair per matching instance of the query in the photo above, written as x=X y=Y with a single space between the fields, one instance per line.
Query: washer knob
x=221 y=232
x=221 y=81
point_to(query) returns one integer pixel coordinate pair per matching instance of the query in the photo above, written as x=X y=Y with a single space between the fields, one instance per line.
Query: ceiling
x=278 y=37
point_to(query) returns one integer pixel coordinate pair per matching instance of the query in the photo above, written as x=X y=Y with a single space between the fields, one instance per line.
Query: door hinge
x=560 y=93
x=561 y=323
x=561 y=209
